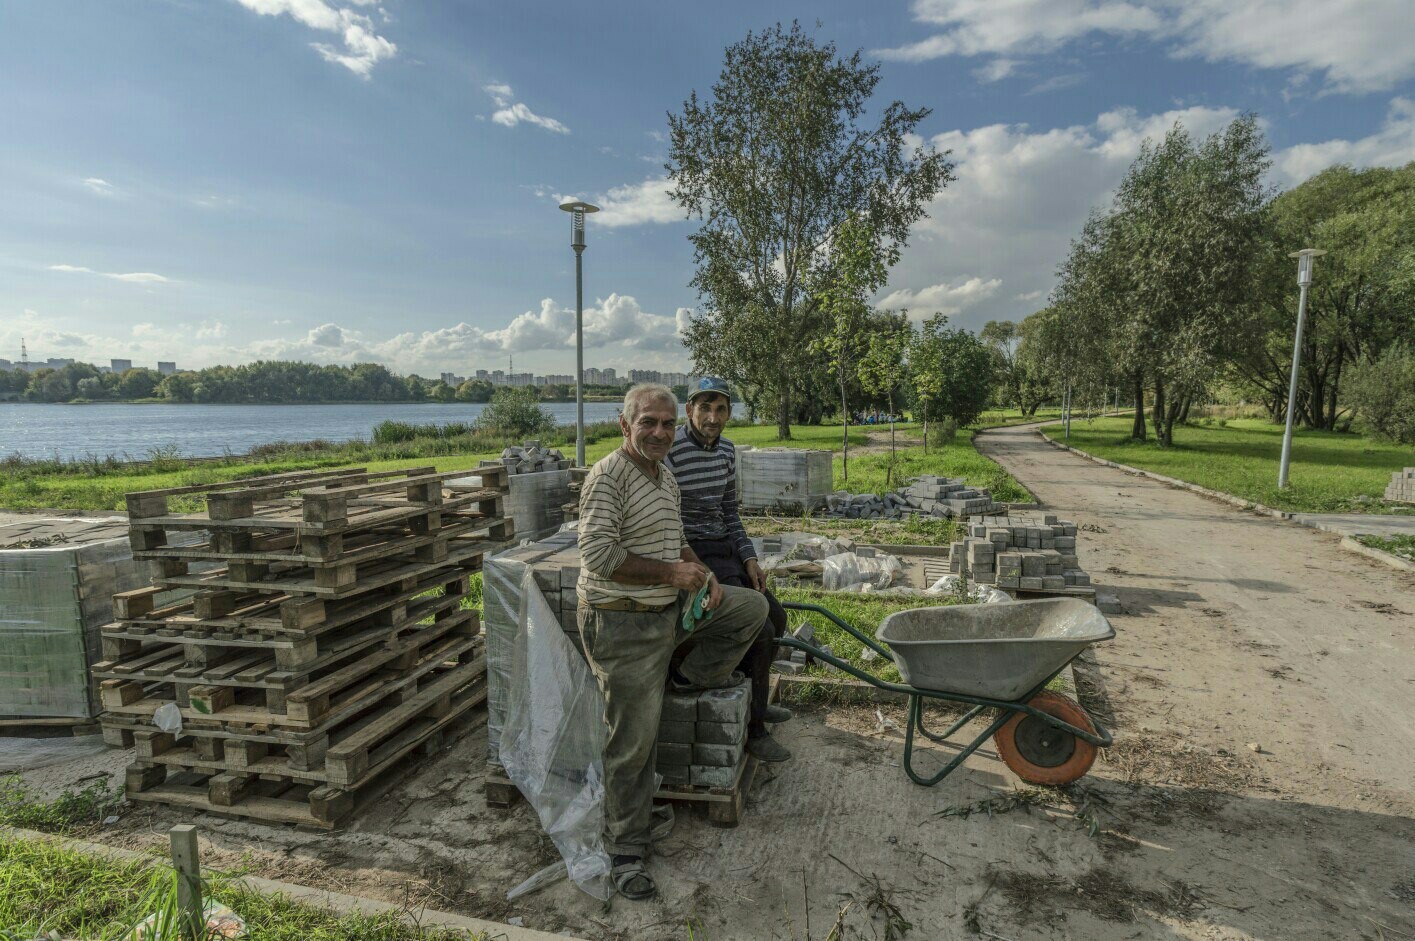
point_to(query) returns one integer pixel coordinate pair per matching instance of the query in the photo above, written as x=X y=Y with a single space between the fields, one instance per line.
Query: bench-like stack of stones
x=1402 y=486
x=324 y=638
x=1022 y=552
x=702 y=737
x=929 y=495
x=531 y=458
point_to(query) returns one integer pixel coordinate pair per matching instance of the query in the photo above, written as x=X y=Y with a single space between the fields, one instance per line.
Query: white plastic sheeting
x=850 y=572
x=552 y=743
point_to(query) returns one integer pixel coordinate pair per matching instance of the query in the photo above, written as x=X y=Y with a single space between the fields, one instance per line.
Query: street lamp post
x=1304 y=281
x=577 y=210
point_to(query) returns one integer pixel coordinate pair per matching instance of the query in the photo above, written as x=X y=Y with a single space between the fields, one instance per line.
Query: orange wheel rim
x=1039 y=753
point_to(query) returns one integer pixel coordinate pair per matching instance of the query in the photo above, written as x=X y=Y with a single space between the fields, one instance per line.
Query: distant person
x=636 y=572
x=705 y=465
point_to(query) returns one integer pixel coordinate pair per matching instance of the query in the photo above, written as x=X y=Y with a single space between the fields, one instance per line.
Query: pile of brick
x=1020 y=551
x=318 y=637
x=531 y=458
x=1402 y=486
x=702 y=737
x=929 y=495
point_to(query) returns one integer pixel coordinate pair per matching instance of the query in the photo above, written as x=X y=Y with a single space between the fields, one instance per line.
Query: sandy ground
x=1260 y=788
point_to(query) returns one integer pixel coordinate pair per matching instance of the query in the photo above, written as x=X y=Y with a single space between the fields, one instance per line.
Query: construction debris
x=531 y=458
x=325 y=639
x=1023 y=551
x=792 y=480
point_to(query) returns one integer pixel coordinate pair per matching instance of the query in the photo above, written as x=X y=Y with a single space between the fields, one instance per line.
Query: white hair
x=637 y=397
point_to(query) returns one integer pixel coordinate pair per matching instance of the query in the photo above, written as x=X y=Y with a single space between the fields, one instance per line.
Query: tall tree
x=774 y=164
x=881 y=368
x=951 y=371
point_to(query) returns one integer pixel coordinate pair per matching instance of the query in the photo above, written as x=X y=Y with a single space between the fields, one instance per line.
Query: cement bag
x=849 y=572
x=552 y=743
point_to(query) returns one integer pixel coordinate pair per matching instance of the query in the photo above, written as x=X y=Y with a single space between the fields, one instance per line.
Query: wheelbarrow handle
x=838 y=622
x=847 y=667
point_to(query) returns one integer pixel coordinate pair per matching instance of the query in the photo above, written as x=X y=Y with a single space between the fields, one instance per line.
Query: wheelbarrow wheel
x=1039 y=753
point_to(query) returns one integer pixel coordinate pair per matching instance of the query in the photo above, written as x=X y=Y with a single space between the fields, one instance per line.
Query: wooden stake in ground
x=188 y=866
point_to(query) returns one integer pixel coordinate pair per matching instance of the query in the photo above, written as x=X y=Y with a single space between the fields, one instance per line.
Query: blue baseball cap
x=710 y=384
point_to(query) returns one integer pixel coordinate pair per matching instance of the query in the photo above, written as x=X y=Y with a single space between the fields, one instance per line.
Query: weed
x=69 y=812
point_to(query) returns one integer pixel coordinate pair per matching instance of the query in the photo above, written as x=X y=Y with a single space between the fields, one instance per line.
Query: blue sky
x=349 y=180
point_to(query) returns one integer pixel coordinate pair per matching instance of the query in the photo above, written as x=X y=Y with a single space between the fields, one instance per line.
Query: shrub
x=513 y=413
x=1383 y=393
x=942 y=432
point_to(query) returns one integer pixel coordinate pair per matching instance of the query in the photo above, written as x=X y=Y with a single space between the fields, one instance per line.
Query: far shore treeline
x=270 y=383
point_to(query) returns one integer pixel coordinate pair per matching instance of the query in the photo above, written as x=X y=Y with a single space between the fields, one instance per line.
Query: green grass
x=1330 y=473
x=1001 y=417
x=70 y=812
x=47 y=888
x=911 y=531
x=100 y=484
x=1400 y=546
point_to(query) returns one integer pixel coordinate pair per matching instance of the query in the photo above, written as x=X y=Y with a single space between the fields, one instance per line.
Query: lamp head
x=577 y=209
x=1304 y=264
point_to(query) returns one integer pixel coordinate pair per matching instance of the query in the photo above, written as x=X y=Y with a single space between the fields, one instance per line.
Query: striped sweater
x=707 y=478
x=624 y=510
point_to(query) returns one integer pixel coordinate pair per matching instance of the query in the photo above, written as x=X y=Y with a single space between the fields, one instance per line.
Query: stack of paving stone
x=1021 y=552
x=326 y=639
x=531 y=458
x=929 y=495
x=577 y=484
x=702 y=737
x=1402 y=486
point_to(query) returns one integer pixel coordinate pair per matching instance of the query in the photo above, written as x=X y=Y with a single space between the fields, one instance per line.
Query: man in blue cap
x=705 y=466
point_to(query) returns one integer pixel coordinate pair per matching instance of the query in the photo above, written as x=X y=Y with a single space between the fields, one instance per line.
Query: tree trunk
x=783 y=416
x=889 y=474
x=1171 y=415
x=844 y=435
x=1137 y=429
x=1157 y=415
x=1184 y=409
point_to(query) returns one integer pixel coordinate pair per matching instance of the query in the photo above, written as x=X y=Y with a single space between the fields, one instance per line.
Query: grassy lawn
x=101 y=486
x=911 y=531
x=1001 y=417
x=1331 y=472
x=1400 y=546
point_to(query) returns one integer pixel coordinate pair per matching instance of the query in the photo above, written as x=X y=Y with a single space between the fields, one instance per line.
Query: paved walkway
x=1359 y=524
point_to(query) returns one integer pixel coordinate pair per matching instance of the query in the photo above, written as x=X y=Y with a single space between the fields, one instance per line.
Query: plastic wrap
x=552 y=743
x=981 y=594
x=850 y=572
x=783 y=478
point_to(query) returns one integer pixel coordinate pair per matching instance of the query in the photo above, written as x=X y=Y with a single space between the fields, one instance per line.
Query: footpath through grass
x=100 y=485
x=1330 y=473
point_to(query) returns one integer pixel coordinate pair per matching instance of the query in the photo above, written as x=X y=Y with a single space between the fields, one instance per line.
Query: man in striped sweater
x=705 y=465
x=636 y=572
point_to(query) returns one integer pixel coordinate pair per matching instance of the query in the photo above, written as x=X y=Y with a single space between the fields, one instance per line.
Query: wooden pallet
x=270 y=790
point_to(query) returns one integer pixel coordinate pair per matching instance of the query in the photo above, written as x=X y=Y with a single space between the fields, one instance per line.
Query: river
x=133 y=432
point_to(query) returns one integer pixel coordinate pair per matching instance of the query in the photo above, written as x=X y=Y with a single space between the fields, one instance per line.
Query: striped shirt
x=624 y=510
x=707 y=477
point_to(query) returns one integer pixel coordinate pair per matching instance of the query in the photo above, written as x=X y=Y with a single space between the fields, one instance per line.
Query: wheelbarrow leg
x=968 y=716
x=915 y=713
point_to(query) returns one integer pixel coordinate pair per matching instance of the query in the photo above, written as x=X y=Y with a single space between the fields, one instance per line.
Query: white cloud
x=511 y=113
x=327 y=335
x=947 y=298
x=996 y=70
x=362 y=47
x=211 y=330
x=1392 y=146
x=1358 y=45
x=636 y=204
x=145 y=329
x=133 y=277
x=100 y=186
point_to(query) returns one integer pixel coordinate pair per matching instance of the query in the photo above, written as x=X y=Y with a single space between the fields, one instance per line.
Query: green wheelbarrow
x=996 y=657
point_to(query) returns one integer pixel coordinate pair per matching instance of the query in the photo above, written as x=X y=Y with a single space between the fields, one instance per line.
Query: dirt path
x=1238 y=630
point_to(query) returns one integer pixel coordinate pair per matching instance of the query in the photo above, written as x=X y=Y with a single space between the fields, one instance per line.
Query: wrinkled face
x=708 y=415
x=651 y=433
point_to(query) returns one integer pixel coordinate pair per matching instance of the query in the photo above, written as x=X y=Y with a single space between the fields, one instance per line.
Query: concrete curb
x=1394 y=561
x=337 y=902
x=1346 y=542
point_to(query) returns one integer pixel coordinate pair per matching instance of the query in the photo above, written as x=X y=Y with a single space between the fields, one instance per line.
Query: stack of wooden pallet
x=324 y=639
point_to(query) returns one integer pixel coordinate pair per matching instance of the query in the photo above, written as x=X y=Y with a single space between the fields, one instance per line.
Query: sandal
x=633 y=881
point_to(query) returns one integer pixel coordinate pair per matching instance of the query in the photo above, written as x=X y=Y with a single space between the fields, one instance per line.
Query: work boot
x=765 y=748
x=777 y=714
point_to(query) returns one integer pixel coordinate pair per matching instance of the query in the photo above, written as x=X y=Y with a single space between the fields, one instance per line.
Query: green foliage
x=942 y=432
x=774 y=164
x=514 y=413
x=52 y=889
x=71 y=810
x=952 y=371
x=1402 y=547
x=1383 y=394
x=387 y=432
x=1331 y=472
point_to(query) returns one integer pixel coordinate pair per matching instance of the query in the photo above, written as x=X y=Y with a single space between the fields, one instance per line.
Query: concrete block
x=1053 y=582
x=679 y=707
x=681 y=733
x=725 y=705
x=1033 y=566
x=713 y=776
x=1009 y=581
x=676 y=775
x=1065 y=542
x=675 y=753
x=1030 y=584
x=723 y=756
x=721 y=733
x=985 y=578
x=788 y=667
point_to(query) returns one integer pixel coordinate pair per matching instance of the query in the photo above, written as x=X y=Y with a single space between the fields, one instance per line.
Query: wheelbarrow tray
x=991 y=651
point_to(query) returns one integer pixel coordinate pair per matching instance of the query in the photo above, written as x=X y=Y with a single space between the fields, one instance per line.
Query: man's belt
x=629 y=604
